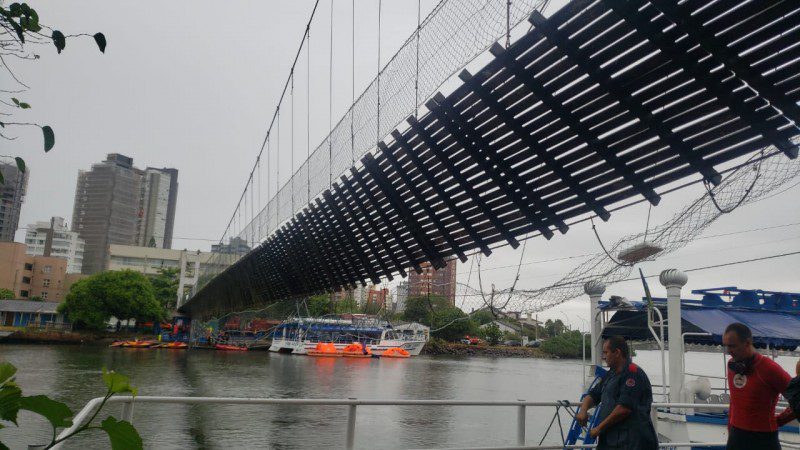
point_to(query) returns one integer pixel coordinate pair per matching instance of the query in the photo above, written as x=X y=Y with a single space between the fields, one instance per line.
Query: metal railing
x=353 y=403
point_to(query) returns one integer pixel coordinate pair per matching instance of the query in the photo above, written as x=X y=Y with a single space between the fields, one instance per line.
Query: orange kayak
x=174 y=345
x=395 y=352
x=138 y=344
x=234 y=348
x=117 y=344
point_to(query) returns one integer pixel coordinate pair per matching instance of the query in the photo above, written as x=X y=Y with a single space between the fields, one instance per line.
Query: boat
x=395 y=352
x=774 y=318
x=299 y=335
x=117 y=344
x=228 y=347
x=324 y=349
x=174 y=345
x=357 y=350
x=138 y=344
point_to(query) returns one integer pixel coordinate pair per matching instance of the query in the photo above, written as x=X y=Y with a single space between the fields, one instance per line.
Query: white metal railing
x=353 y=403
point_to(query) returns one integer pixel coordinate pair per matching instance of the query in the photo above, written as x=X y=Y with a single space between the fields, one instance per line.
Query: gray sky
x=193 y=85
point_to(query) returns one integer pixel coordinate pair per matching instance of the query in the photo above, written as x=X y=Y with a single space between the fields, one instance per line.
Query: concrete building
x=400 y=296
x=53 y=238
x=440 y=282
x=118 y=204
x=235 y=246
x=150 y=261
x=12 y=194
x=29 y=276
x=106 y=207
x=158 y=195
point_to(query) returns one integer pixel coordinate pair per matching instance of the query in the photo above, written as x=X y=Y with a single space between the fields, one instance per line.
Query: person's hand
x=594 y=432
x=582 y=417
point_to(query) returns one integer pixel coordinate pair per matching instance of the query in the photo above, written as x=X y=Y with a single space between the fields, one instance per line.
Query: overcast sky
x=193 y=84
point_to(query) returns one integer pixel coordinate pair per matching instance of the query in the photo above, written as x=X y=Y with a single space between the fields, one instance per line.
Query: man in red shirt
x=755 y=383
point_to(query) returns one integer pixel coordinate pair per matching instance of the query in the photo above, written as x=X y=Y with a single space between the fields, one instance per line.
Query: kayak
x=117 y=344
x=234 y=348
x=138 y=344
x=174 y=345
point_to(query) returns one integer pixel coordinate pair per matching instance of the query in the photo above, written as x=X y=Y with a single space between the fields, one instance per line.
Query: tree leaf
x=15 y=100
x=7 y=370
x=3 y=447
x=10 y=395
x=122 y=434
x=100 y=38
x=56 y=413
x=2 y=180
x=24 y=105
x=49 y=138
x=117 y=383
x=59 y=40
x=20 y=165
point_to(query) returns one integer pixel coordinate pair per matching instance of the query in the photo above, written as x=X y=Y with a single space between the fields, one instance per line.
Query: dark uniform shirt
x=629 y=388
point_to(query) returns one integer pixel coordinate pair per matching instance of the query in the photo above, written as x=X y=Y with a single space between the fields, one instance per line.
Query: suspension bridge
x=599 y=106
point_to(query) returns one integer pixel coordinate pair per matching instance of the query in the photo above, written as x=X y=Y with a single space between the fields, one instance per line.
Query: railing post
x=521 y=424
x=351 y=426
x=127 y=411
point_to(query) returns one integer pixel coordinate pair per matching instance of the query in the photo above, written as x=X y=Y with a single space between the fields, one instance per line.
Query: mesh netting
x=452 y=35
x=750 y=183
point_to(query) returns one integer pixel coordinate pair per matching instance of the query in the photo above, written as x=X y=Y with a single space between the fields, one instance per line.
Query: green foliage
x=493 y=334
x=566 y=345
x=483 y=316
x=419 y=309
x=318 y=305
x=36 y=298
x=552 y=328
x=451 y=324
x=23 y=21
x=165 y=287
x=511 y=336
x=6 y=294
x=346 y=305
x=122 y=434
x=91 y=302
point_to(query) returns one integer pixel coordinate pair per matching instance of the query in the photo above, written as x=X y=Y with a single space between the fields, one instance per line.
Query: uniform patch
x=630 y=382
x=740 y=380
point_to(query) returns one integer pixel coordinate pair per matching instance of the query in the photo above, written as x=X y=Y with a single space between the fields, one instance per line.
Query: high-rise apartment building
x=53 y=238
x=235 y=246
x=12 y=194
x=116 y=203
x=441 y=282
x=400 y=296
x=158 y=195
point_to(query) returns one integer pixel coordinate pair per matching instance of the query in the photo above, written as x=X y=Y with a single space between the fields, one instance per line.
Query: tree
x=20 y=33
x=493 y=334
x=318 y=305
x=165 y=287
x=6 y=294
x=418 y=309
x=483 y=316
x=346 y=305
x=450 y=324
x=36 y=298
x=126 y=294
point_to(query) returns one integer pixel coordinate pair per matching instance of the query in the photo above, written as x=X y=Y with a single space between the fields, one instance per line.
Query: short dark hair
x=742 y=331
x=618 y=343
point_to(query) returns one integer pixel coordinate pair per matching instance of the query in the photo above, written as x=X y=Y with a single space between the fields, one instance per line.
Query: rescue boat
x=324 y=349
x=395 y=352
x=357 y=350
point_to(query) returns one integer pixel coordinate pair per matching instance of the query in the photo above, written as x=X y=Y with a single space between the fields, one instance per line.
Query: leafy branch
x=122 y=434
x=20 y=28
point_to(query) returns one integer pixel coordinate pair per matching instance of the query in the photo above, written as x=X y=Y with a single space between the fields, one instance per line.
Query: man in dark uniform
x=625 y=397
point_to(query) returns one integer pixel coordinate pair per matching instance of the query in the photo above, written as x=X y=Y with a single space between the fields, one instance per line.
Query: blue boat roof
x=773 y=317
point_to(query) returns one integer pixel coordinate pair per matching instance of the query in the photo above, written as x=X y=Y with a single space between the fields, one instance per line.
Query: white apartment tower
x=53 y=238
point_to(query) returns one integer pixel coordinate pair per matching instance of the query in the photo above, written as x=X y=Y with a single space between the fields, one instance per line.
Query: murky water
x=72 y=374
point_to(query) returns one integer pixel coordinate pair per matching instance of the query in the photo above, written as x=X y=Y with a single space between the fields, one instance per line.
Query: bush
x=566 y=345
x=493 y=334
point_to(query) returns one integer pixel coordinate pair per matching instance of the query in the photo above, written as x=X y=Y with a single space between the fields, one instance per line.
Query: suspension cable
x=330 y=107
x=378 y=128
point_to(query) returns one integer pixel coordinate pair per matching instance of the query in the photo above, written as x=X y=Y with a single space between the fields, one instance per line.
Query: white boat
x=774 y=318
x=298 y=335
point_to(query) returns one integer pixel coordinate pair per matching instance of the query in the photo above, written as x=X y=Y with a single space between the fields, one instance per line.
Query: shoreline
x=436 y=347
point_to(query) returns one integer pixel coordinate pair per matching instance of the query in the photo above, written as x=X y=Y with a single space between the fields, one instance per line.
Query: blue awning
x=773 y=328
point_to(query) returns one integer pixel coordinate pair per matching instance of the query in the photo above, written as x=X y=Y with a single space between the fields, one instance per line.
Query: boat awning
x=774 y=329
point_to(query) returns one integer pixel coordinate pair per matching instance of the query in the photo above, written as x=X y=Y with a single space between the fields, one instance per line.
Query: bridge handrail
x=128 y=402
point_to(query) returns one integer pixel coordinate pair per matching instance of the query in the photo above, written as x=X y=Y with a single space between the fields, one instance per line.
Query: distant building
x=359 y=294
x=235 y=246
x=150 y=261
x=158 y=195
x=29 y=276
x=400 y=296
x=26 y=313
x=12 y=194
x=440 y=282
x=53 y=238
x=505 y=327
x=377 y=296
x=116 y=203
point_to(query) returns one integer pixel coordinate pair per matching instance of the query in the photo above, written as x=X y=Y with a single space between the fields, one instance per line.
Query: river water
x=72 y=374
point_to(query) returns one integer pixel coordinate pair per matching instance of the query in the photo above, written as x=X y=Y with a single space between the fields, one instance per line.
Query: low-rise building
x=27 y=276
x=53 y=238
x=151 y=261
x=26 y=313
